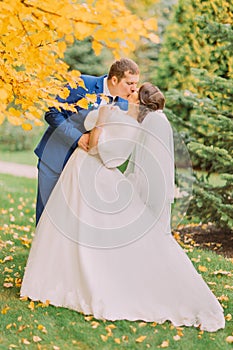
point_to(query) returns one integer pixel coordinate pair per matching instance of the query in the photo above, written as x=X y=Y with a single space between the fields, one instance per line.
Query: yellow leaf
x=125 y=338
x=3 y=94
x=141 y=339
x=5 y=310
x=91 y=97
x=31 y=305
x=27 y=126
x=165 y=344
x=142 y=324
x=88 y=318
x=38 y=123
x=46 y=304
x=25 y=341
x=228 y=287
x=104 y=337
x=2 y=118
x=69 y=38
x=154 y=38
x=25 y=298
x=154 y=324
x=202 y=268
x=179 y=331
x=117 y=340
x=64 y=93
x=14 y=112
x=111 y=326
x=223 y=298
x=94 y=324
x=133 y=329
x=97 y=47
x=8 y=258
x=228 y=317
x=151 y=24
x=42 y=328
x=14 y=120
x=83 y=103
x=18 y=282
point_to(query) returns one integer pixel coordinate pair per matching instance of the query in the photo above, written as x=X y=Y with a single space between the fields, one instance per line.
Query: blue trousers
x=47 y=179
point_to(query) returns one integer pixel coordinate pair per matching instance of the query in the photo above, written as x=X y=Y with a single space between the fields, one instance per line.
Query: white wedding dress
x=103 y=248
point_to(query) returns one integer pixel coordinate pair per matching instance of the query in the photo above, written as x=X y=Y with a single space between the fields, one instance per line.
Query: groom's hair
x=119 y=67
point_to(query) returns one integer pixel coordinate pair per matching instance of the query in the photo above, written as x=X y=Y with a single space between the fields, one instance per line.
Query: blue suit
x=61 y=137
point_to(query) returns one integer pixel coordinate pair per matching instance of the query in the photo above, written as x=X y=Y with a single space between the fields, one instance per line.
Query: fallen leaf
x=133 y=329
x=154 y=324
x=111 y=326
x=88 y=318
x=8 y=285
x=125 y=338
x=36 y=339
x=223 y=298
x=176 y=337
x=21 y=328
x=142 y=324
x=117 y=340
x=229 y=339
x=25 y=341
x=221 y=272
x=42 y=328
x=5 y=310
x=228 y=287
x=202 y=268
x=94 y=324
x=141 y=339
x=164 y=344
x=228 y=317
x=104 y=337
x=8 y=258
x=31 y=305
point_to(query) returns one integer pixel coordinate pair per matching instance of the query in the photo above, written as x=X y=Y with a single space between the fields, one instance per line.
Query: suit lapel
x=99 y=87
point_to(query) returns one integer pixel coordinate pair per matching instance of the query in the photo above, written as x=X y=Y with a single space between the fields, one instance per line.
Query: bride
x=103 y=244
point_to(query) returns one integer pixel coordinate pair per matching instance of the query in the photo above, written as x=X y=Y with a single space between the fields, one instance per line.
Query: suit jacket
x=65 y=127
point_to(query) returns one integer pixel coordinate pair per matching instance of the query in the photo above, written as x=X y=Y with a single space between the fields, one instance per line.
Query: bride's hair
x=151 y=99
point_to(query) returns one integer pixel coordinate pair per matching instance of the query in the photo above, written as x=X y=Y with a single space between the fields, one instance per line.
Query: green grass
x=66 y=329
x=22 y=157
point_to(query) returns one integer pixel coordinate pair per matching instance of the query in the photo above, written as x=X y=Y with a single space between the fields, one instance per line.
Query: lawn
x=22 y=157
x=27 y=325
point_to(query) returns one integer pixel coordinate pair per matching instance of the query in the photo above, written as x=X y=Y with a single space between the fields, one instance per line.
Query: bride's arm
x=102 y=119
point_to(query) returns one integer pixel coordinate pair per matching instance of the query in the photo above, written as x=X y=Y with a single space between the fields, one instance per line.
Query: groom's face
x=126 y=86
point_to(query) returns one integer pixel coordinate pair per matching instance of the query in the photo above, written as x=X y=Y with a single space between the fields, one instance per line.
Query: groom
x=66 y=129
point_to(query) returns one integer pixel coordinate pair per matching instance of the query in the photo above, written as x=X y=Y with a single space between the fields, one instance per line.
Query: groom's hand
x=83 y=142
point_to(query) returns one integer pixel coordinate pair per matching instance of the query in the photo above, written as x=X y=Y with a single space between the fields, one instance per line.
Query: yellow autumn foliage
x=34 y=36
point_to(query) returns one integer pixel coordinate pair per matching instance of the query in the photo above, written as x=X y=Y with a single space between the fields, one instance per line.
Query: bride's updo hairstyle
x=151 y=99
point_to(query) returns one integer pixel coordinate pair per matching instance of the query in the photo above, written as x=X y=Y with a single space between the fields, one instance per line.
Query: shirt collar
x=106 y=89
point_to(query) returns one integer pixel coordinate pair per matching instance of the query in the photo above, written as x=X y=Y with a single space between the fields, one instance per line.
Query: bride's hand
x=133 y=98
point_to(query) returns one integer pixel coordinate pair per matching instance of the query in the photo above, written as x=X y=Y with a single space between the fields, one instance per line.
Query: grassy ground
x=25 y=325
x=22 y=157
